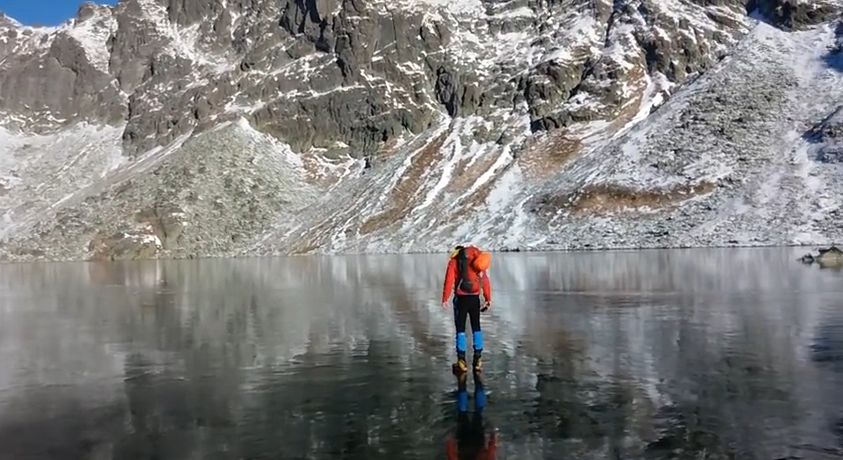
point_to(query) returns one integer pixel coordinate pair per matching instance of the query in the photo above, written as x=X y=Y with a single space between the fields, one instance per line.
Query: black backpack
x=465 y=282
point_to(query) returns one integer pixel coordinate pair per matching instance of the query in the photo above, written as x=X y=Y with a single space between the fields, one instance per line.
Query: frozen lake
x=649 y=354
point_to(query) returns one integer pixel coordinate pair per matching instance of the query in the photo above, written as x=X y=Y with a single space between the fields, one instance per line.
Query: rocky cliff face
x=221 y=127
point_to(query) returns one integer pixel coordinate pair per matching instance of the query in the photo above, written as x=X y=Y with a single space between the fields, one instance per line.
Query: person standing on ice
x=466 y=278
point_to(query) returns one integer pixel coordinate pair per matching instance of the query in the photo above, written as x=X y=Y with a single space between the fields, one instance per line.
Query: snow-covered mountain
x=178 y=128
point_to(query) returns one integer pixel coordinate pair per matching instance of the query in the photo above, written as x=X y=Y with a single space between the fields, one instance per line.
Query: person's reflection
x=469 y=440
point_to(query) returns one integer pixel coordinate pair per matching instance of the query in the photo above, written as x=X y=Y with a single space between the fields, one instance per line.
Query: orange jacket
x=451 y=278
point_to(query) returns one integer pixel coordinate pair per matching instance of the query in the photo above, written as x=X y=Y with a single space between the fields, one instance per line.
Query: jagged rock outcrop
x=828 y=135
x=827 y=258
x=9 y=31
x=181 y=62
x=798 y=14
x=54 y=79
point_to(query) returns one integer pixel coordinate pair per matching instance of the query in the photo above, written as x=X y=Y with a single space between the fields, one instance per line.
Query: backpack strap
x=462 y=265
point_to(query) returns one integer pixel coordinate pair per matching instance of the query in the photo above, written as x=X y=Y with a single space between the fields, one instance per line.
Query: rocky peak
x=9 y=35
x=91 y=10
x=7 y=23
x=185 y=65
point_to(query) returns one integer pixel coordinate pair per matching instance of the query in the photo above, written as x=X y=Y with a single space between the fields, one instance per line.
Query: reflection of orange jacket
x=479 y=278
x=452 y=452
x=489 y=452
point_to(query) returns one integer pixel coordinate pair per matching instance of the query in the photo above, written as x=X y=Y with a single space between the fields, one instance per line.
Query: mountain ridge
x=411 y=125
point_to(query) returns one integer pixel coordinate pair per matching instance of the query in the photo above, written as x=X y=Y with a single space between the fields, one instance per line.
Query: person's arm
x=450 y=279
x=487 y=289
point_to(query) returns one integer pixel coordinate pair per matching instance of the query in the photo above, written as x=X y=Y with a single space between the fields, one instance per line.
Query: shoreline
x=534 y=250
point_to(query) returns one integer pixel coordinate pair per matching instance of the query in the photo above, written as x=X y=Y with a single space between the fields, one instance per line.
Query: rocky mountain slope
x=179 y=128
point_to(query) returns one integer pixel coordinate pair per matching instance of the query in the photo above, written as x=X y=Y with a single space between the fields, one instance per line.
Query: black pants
x=467 y=305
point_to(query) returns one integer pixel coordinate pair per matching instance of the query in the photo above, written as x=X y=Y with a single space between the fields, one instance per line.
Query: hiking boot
x=478 y=364
x=460 y=366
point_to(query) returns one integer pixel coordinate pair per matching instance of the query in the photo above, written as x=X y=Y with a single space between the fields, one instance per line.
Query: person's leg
x=462 y=393
x=477 y=332
x=460 y=314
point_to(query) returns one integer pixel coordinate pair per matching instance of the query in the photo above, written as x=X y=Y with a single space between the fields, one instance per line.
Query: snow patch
x=520 y=12
x=453 y=145
x=281 y=148
x=47 y=170
x=502 y=202
x=457 y=8
x=502 y=161
x=93 y=35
